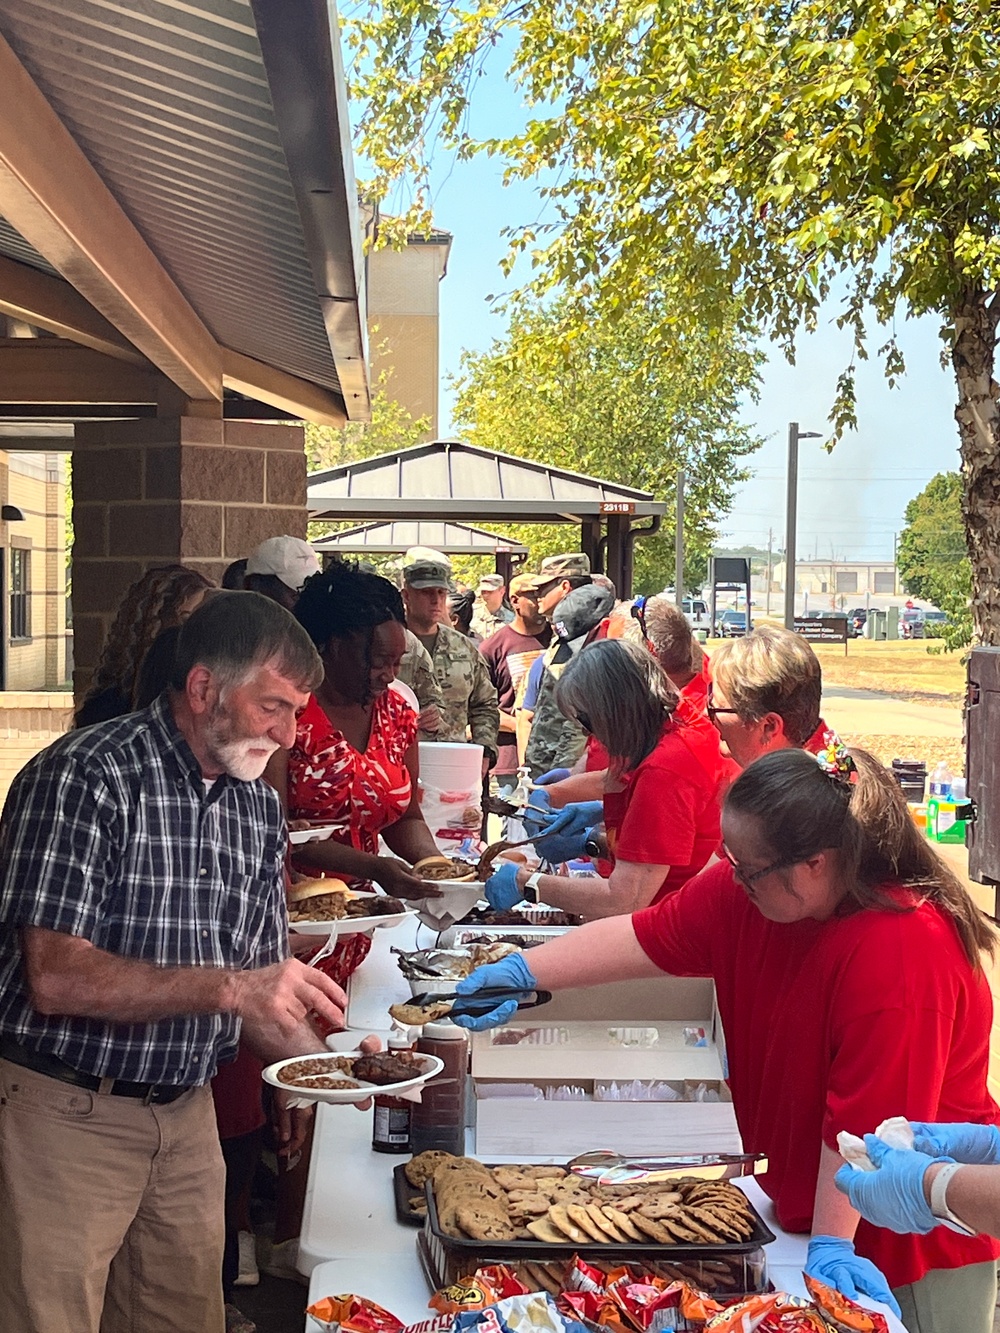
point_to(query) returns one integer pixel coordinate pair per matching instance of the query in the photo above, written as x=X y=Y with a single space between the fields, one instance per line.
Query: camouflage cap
x=522 y=584
x=426 y=574
x=572 y=565
x=491 y=583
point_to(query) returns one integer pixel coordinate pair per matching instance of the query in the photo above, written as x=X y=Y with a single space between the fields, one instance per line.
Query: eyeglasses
x=639 y=613
x=712 y=712
x=748 y=880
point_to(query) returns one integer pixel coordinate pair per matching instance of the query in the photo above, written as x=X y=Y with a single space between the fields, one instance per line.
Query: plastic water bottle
x=940 y=785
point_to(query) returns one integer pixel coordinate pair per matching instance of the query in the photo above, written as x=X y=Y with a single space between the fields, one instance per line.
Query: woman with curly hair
x=355 y=762
x=163 y=597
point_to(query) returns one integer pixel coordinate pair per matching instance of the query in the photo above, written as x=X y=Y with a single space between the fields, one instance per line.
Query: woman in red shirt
x=354 y=763
x=661 y=793
x=847 y=961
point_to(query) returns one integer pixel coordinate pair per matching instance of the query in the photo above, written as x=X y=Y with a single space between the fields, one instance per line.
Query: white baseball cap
x=289 y=559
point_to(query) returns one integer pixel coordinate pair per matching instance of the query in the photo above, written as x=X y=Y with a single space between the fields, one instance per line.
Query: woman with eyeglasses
x=662 y=789
x=848 y=963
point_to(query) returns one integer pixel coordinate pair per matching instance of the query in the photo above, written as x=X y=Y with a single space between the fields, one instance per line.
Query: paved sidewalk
x=870 y=713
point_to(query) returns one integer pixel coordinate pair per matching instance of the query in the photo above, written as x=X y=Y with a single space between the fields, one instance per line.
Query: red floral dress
x=360 y=794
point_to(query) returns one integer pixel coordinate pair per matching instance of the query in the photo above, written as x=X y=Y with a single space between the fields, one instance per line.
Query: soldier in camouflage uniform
x=577 y=609
x=417 y=670
x=470 y=700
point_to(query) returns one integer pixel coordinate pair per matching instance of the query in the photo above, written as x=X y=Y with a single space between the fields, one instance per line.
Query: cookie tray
x=437 y=1239
x=403 y=1192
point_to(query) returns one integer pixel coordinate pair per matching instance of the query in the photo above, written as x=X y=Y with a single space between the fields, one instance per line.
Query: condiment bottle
x=438 y=1119
x=391 y=1123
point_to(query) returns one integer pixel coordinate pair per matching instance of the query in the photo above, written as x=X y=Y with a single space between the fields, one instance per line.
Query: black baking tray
x=403 y=1192
x=637 y=1250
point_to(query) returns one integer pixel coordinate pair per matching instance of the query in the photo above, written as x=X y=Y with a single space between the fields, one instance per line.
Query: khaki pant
x=950 y=1300
x=112 y=1211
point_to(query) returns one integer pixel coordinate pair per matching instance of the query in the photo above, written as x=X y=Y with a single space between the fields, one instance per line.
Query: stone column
x=185 y=490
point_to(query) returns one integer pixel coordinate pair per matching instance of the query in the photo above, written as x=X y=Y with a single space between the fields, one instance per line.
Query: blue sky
x=851 y=501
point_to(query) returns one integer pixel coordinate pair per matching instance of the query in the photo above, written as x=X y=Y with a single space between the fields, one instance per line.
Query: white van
x=696 y=613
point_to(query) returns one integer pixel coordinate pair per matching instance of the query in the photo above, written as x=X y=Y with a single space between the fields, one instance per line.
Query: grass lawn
x=914 y=669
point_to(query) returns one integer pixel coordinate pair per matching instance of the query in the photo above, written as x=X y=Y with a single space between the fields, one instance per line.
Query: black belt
x=153 y=1094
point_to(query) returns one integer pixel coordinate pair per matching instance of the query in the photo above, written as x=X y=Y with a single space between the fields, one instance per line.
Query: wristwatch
x=531 y=887
x=939 y=1201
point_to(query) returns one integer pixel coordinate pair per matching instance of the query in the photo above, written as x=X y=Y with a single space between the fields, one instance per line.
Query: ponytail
x=862 y=815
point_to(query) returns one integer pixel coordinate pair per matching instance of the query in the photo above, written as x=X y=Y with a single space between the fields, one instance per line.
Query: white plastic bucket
x=450 y=765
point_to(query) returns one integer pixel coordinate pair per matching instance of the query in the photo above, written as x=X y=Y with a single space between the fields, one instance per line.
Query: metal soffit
x=171 y=102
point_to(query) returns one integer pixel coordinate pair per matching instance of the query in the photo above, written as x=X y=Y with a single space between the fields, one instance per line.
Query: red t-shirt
x=695 y=692
x=834 y=1025
x=669 y=810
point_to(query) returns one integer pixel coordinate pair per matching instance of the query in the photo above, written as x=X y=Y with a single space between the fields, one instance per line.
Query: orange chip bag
x=468 y=1293
x=354 y=1314
x=744 y=1316
x=842 y=1312
x=696 y=1306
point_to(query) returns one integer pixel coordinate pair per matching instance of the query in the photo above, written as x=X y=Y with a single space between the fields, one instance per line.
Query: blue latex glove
x=553 y=775
x=501 y=887
x=892 y=1196
x=533 y=822
x=979 y=1144
x=511 y=971
x=832 y=1260
x=563 y=837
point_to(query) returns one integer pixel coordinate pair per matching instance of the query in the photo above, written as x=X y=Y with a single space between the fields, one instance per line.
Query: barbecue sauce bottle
x=438 y=1119
x=391 y=1124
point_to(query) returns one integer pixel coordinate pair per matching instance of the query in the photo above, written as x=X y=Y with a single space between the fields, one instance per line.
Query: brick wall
x=28 y=723
x=197 y=491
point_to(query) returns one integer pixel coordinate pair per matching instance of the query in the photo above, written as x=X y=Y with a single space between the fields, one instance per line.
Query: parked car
x=731 y=624
x=696 y=613
x=935 y=618
x=911 y=623
x=857 y=618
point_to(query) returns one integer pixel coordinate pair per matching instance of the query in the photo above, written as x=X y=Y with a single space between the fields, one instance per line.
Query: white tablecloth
x=350 y=1239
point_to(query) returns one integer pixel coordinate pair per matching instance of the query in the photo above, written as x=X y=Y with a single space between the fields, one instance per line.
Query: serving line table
x=351 y=1240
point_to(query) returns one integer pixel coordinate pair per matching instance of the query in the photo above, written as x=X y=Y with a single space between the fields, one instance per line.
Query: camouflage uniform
x=417 y=670
x=557 y=741
x=470 y=699
x=486 y=622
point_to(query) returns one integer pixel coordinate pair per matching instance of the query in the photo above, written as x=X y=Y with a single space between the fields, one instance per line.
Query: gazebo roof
x=449 y=479
x=389 y=538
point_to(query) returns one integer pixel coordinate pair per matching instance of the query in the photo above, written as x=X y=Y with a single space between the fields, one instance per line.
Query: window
x=20 y=605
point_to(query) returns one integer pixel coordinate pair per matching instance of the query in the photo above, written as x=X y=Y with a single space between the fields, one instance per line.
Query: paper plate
x=351 y=925
x=458 y=898
x=431 y=1066
x=318 y=834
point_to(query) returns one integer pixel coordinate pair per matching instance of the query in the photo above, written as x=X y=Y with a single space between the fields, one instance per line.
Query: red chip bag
x=585 y=1277
x=642 y=1300
x=468 y=1293
x=354 y=1314
x=842 y=1312
x=794 y=1320
x=503 y=1280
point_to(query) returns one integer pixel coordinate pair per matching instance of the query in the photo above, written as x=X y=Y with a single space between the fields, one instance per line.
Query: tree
x=589 y=397
x=931 y=554
x=775 y=152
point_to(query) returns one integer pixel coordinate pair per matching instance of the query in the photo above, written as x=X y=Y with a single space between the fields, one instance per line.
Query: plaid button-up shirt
x=111 y=835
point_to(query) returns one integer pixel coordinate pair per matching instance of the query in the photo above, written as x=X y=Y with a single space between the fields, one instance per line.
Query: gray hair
x=623 y=692
x=234 y=634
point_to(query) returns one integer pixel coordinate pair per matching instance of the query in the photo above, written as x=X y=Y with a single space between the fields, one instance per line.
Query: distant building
x=851 y=578
x=33 y=571
x=403 y=320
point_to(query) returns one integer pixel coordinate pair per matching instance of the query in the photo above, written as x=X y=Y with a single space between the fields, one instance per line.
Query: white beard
x=239 y=760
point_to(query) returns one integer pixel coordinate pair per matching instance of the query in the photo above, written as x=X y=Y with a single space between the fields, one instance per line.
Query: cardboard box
x=615 y=1033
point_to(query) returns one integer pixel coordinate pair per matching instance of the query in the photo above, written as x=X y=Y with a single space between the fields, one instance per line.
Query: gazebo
x=450 y=480
x=448 y=538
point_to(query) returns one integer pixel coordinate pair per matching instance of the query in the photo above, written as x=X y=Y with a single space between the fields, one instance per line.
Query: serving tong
x=612 y=1168
x=482 y=1001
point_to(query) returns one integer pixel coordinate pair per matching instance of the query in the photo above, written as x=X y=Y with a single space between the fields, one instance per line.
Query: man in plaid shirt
x=142 y=924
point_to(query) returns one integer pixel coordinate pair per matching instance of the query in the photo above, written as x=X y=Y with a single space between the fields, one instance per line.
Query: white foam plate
x=317 y=834
x=431 y=1066
x=351 y=925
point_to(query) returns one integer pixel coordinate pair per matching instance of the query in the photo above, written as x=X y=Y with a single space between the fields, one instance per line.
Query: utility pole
x=791 y=515
x=679 y=543
x=767 y=591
